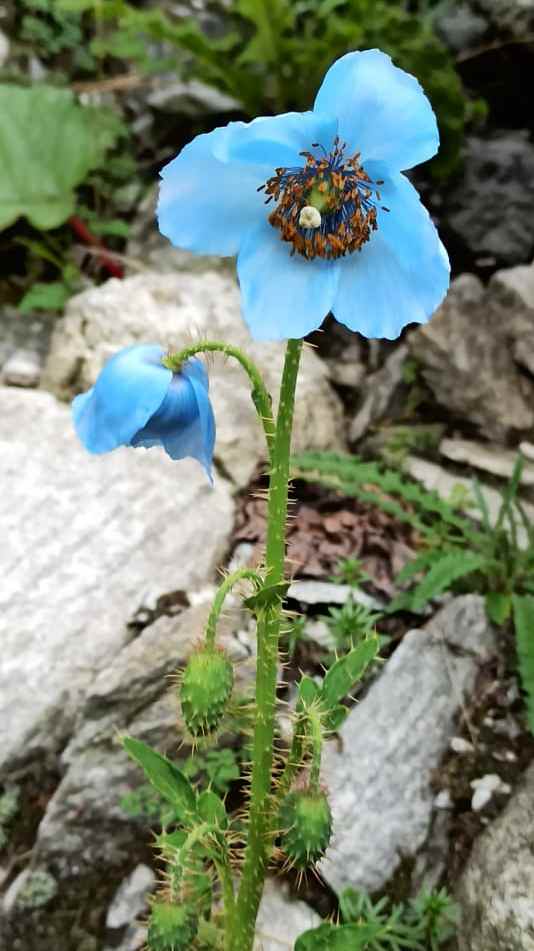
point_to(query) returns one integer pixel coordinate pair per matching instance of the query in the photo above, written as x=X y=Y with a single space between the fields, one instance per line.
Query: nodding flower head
x=316 y=207
x=138 y=401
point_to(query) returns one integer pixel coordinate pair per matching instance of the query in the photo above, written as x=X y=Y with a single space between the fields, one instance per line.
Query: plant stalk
x=258 y=846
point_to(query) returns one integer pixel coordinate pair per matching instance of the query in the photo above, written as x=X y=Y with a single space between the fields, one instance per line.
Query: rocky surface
x=491 y=209
x=175 y=309
x=497 y=887
x=379 y=776
x=281 y=919
x=377 y=392
x=467 y=356
x=487 y=457
x=84 y=538
x=24 y=334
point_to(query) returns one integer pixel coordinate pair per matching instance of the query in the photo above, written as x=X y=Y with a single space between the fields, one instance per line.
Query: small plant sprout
x=321 y=217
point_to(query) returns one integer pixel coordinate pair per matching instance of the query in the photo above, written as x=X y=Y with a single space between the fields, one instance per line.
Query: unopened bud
x=171 y=927
x=306 y=823
x=206 y=686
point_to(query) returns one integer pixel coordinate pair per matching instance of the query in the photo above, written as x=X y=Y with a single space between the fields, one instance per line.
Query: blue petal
x=184 y=424
x=205 y=204
x=282 y=296
x=129 y=389
x=382 y=111
x=401 y=275
x=276 y=140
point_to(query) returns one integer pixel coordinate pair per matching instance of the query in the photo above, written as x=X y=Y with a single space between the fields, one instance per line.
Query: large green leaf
x=167 y=778
x=48 y=144
x=331 y=938
x=524 y=632
x=346 y=671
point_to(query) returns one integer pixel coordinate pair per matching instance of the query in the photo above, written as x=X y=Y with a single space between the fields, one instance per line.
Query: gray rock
x=174 y=309
x=131 y=898
x=467 y=358
x=491 y=208
x=512 y=291
x=496 y=889
x=32 y=888
x=326 y=592
x=134 y=940
x=5 y=47
x=23 y=332
x=380 y=776
x=487 y=457
x=512 y=17
x=459 y=26
x=23 y=368
x=378 y=392
x=192 y=98
x=281 y=919
x=83 y=538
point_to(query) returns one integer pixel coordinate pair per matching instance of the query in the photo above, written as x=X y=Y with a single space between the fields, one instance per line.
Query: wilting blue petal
x=205 y=204
x=401 y=275
x=276 y=140
x=184 y=423
x=129 y=389
x=382 y=111
x=282 y=296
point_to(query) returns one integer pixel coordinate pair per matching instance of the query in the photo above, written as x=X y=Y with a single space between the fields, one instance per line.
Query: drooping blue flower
x=316 y=207
x=137 y=401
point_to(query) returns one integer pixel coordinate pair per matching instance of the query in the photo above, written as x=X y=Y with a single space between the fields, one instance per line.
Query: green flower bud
x=205 y=689
x=171 y=927
x=306 y=823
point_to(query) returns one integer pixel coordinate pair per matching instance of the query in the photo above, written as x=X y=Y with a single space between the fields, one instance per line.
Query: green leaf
x=211 y=809
x=52 y=296
x=48 y=144
x=267 y=596
x=346 y=671
x=337 y=938
x=335 y=718
x=308 y=692
x=443 y=574
x=164 y=776
x=524 y=631
x=498 y=606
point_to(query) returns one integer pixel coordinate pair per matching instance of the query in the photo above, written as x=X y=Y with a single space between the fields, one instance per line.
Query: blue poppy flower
x=137 y=401
x=316 y=207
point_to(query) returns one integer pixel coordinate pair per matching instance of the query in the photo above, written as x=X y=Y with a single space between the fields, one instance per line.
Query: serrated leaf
x=308 y=692
x=443 y=574
x=48 y=144
x=498 y=606
x=164 y=776
x=211 y=809
x=337 y=938
x=524 y=631
x=346 y=671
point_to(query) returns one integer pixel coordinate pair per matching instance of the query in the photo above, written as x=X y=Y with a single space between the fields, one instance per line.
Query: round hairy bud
x=306 y=823
x=205 y=690
x=171 y=927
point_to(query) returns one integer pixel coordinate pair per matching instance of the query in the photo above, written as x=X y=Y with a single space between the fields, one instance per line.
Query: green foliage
x=495 y=559
x=171 y=927
x=346 y=671
x=350 y=571
x=219 y=768
x=350 y=623
x=39 y=888
x=423 y=924
x=54 y=30
x=272 y=58
x=165 y=777
x=523 y=608
x=9 y=806
x=49 y=145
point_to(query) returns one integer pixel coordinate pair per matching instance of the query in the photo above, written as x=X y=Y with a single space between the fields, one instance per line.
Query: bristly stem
x=260 y=826
x=260 y=394
x=224 y=589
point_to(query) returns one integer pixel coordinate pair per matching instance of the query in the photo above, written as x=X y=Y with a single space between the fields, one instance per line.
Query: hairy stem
x=260 y=394
x=224 y=589
x=260 y=820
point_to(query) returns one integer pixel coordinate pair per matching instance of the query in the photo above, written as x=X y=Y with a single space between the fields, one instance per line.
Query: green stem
x=258 y=847
x=260 y=394
x=224 y=872
x=218 y=601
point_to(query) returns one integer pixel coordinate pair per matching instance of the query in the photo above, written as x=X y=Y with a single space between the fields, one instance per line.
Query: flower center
x=327 y=208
